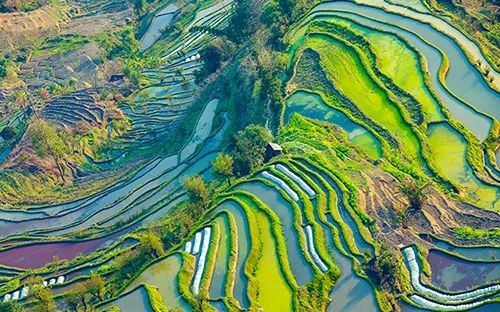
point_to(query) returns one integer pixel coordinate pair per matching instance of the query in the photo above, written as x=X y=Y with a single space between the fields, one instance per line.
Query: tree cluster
x=48 y=141
x=198 y=191
x=150 y=247
x=213 y=56
x=247 y=155
x=250 y=147
x=84 y=294
x=386 y=269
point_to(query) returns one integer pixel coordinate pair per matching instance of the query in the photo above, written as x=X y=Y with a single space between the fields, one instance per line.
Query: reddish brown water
x=38 y=255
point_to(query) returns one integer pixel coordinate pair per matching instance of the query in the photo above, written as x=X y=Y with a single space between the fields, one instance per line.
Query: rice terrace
x=249 y=155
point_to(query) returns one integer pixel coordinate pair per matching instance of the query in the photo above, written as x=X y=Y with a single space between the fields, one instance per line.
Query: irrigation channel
x=271 y=238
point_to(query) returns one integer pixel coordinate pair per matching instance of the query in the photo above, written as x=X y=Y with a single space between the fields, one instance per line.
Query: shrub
x=416 y=193
x=197 y=190
x=151 y=244
x=387 y=269
x=223 y=166
x=250 y=147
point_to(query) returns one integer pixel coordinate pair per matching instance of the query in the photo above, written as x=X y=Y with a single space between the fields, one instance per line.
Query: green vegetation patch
x=401 y=64
x=61 y=44
x=311 y=105
x=274 y=292
x=351 y=77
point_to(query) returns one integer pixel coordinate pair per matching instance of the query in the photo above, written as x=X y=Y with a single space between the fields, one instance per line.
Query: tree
x=151 y=244
x=78 y=296
x=46 y=298
x=41 y=295
x=124 y=261
x=10 y=307
x=197 y=190
x=415 y=192
x=47 y=140
x=96 y=286
x=251 y=147
x=223 y=166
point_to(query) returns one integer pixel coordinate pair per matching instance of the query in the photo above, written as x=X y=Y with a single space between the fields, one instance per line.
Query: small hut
x=272 y=150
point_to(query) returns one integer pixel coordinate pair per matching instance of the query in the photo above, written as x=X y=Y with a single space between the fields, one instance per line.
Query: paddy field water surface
x=311 y=105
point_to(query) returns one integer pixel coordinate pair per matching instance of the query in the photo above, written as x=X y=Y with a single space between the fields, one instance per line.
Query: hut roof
x=274 y=146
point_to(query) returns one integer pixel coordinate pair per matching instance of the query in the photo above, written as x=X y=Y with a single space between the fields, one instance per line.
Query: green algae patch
x=449 y=150
x=274 y=292
x=344 y=66
x=402 y=65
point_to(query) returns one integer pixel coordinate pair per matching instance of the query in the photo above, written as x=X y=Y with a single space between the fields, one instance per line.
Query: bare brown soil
x=24 y=29
x=439 y=215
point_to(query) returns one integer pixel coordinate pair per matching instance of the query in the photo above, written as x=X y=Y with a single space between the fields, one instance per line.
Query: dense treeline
x=252 y=44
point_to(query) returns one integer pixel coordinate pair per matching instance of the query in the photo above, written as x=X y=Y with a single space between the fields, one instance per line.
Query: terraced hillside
x=162 y=106
x=404 y=111
x=271 y=155
x=74 y=109
x=293 y=236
